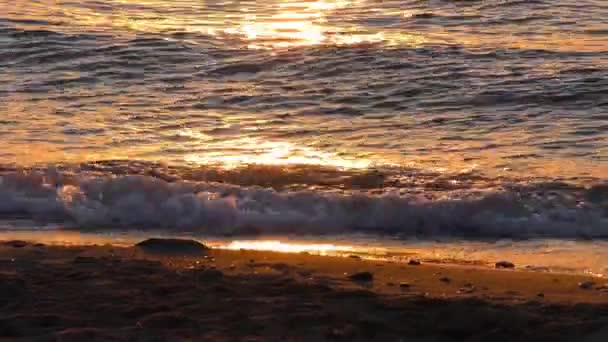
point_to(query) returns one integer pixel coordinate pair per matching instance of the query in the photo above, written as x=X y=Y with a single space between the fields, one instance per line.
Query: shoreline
x=122 y=293
x=572 y=257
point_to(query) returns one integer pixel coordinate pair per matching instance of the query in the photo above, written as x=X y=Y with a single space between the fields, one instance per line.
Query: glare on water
x=168 y=103
x=286 y=247
x=247 y=151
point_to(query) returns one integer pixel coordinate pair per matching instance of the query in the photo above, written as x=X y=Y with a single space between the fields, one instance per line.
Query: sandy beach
x=85 y=293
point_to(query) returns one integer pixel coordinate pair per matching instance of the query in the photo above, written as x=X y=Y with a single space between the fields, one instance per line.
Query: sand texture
x=104 y=293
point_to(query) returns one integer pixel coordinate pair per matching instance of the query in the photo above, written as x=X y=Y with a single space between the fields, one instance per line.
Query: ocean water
x=429 y=119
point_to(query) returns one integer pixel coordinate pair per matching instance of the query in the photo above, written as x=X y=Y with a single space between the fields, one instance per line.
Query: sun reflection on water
x=249 y=151
x=276 y=24
x=286 y=247
x=299 y=24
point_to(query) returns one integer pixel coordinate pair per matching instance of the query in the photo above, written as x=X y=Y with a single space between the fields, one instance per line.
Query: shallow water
x=536 y=255
x=425 y=118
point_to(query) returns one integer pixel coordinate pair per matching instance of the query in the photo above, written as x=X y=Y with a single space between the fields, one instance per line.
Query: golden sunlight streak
x=295 y=24
x=248 y=151
x=283 y=24
x=285 y=247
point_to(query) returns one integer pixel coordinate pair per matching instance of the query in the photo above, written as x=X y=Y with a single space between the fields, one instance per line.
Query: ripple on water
x=443 y=85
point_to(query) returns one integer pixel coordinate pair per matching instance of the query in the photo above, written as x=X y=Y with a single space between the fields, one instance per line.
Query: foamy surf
x=99 y=200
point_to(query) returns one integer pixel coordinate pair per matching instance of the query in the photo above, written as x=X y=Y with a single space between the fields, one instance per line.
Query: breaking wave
x=97 y=198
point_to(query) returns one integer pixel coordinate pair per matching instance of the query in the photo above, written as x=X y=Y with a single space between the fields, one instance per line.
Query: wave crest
x=87 y=200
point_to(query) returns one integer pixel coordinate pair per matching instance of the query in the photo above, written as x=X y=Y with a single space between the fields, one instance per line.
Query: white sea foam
x=92 y=200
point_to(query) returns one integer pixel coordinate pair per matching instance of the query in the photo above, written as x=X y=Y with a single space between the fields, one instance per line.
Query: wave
x=103 y=200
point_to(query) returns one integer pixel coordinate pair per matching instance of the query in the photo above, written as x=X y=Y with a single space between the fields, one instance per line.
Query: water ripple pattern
x=441 y=98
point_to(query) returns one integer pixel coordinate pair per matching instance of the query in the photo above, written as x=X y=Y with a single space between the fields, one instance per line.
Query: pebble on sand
x=467 y=289
x=505 y=264
x=362 y=276
x=445 y=279
x=602 y=288
x=586 y=285
x=16 y=243
x=414 y=262
x=404 y=285
x=172 y=246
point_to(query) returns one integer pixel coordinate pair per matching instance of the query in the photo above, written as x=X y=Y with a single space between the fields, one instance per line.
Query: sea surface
x=478 y=122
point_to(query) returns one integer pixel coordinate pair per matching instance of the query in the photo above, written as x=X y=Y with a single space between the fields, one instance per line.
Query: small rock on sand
x=445 y=279
x=602 y=288
x=404 y=285
x=362 y=276
x=172 y=246
x=505 y=264
x=16 y=243
x=467 y=289
x=586 y=285
x=414 y=262
x=352 y=256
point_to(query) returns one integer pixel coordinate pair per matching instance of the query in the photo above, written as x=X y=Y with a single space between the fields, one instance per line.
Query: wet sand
x=104 y=293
